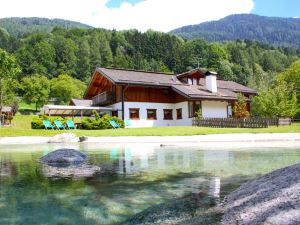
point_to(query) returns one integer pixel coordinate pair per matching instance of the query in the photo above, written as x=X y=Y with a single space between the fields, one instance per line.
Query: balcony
x=104 y=98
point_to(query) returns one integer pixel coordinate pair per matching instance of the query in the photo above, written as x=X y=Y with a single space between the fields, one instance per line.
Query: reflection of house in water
x=134 y=159
x=216 y=158
x=161 y=158
x=215 y=187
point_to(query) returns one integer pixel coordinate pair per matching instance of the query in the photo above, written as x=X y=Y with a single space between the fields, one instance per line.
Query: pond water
x=132 y=179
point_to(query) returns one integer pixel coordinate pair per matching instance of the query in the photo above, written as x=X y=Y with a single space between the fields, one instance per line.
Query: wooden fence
x=236 y=123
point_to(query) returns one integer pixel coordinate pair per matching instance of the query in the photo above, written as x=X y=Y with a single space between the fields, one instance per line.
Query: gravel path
x=272 y=199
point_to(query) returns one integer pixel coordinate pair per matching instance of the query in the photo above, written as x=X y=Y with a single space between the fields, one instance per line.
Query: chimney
x=211 y=81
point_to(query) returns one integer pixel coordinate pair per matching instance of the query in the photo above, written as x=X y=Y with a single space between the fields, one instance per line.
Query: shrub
x=37 y=122
x=100 y=123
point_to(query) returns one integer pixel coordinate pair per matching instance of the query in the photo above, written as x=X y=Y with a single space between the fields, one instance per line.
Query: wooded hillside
x=21 y=26
x=269 y=30
x=78 y=52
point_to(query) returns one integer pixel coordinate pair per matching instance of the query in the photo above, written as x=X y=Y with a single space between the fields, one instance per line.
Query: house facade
x=146 y=99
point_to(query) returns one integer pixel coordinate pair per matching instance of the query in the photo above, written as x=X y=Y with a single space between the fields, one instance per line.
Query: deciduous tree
x=36 y=90
x=8 y=71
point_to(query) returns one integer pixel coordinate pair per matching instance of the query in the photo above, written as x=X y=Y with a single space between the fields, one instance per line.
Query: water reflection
x=131 y=179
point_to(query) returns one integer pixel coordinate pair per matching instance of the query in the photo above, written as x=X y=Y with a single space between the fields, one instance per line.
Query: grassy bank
x=21 y=127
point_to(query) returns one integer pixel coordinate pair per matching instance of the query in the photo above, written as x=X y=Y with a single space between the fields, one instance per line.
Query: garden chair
x=59 y=125
x=48 y=125
x=70 y=124
x=114 y=124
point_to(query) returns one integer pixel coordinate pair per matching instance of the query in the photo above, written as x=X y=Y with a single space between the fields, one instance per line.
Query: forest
x=56 y=59
x=270 y=30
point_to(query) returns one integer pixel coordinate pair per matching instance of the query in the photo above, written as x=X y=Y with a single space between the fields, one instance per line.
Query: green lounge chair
x=70 y=124
x=58 y=125
x=114 y=124
x=48 y=125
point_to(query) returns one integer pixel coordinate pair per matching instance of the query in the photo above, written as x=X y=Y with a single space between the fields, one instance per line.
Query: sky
x=160 y=15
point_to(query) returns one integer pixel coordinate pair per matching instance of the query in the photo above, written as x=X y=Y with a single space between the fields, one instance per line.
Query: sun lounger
x=48 y=125
x=59 y=125
x=114 y=124
x=70 y=124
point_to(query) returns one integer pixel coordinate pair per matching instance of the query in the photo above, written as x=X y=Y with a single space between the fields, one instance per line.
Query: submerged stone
x=71 y=171
x=64 y=157
x=191 y=209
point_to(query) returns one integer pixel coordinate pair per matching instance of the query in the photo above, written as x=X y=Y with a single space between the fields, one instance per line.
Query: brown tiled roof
x=121 y=76
x=82 y=102
x=192 y=91
x=230 y=85
x=226 y=89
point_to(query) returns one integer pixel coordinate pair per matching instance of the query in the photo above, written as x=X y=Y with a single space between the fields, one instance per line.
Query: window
x=168 y=114
x=134 y=114
x=194 y=106
x=114 y=113
x=229 y=111
x=151 y=114
x=179 y=113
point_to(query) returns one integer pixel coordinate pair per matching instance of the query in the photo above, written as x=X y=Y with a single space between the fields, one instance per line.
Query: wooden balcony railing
x=104 y=98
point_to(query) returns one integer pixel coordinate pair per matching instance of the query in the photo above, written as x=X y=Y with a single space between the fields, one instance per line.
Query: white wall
x=214 y=109
x=144 y=122
x=210 y=109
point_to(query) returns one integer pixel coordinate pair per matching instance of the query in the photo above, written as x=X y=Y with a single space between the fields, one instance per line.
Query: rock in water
x=63 y=138
x=83 y=138
x=64 y=157
x=271 y=199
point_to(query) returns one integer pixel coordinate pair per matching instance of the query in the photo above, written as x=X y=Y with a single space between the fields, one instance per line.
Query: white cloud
x=161 y=15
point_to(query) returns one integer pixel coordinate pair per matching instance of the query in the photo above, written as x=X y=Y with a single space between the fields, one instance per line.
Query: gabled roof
x=122 y=76
x=226 y=89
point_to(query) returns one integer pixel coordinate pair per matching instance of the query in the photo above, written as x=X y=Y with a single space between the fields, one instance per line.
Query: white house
x=146 y=99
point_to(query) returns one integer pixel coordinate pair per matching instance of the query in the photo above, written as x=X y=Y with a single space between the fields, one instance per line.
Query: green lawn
x=21 y=127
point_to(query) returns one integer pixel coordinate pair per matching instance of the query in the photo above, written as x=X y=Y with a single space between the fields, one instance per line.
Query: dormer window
x=193 y=81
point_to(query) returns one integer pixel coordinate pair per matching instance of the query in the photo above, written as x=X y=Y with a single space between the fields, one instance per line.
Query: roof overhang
x=66 y=110
x=97 y=72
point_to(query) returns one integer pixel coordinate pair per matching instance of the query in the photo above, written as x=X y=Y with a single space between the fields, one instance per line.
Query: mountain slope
x=20 y=26
x=270 y=30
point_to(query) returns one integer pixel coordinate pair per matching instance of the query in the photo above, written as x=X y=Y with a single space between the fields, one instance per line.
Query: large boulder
x=64 y=158
x=63 y=138
x=271 y=199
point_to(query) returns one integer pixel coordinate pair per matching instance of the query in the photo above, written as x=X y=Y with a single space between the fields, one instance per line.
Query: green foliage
x=279 y=100
x=8 y=71
x=240 y=107
x=64 y=88
x=292 y=76
x=99 y=123
x=36 y=90
x=77 y=52
x=199 y=114
x=37 y=121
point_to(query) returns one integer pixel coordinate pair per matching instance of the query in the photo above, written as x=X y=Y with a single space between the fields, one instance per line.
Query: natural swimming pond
x=133 y=180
